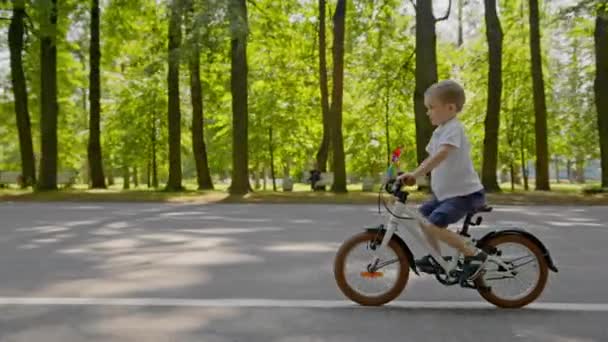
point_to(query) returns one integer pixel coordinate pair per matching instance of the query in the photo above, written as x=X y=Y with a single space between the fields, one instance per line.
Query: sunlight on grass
x=561 y=194
x=564 y=187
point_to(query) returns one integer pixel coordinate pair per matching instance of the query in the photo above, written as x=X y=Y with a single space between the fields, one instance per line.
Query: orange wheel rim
x=372 y=274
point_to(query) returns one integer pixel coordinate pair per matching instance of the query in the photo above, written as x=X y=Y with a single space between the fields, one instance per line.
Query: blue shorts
x=451 y=210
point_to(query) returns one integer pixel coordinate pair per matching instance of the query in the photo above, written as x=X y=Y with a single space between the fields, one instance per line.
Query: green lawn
x=562 y=187
x=562 y=194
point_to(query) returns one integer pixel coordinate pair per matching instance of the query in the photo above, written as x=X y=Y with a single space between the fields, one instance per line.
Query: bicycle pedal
x=470 y=285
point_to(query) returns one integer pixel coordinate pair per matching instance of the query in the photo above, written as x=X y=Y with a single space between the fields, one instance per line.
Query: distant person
x=315 y=177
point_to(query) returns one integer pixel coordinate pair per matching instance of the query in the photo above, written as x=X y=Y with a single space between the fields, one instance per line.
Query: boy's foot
x=426 y=264
x=473 y=265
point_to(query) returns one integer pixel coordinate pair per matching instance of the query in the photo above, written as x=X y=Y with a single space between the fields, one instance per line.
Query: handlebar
x=394 y=188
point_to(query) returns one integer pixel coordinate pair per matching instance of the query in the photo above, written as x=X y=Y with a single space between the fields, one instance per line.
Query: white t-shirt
x=455 y=176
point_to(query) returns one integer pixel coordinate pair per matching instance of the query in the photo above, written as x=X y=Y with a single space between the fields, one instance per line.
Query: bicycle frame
x=412 y=220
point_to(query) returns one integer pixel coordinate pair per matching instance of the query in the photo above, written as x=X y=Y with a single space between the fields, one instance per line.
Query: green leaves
x=284 y=82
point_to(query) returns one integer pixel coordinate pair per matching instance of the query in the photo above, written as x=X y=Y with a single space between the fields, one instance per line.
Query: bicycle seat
x=468 y=221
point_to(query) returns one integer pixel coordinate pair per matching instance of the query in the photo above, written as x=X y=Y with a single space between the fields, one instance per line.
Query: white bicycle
x=372 y=268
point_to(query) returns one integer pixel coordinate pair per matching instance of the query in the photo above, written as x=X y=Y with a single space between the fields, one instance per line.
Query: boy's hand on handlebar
x=407 y=179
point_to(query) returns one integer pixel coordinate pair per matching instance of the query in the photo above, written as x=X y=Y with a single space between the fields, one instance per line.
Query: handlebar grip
x=393 y=187
x=396 y=187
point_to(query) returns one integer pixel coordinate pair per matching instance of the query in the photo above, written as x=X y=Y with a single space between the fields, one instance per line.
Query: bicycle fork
x=401 y=209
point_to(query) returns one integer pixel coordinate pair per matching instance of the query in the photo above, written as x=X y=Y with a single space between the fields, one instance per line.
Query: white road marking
x=281 y=303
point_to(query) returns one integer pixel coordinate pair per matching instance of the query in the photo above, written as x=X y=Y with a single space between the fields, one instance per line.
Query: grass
x=562 y=187
x=562 y=194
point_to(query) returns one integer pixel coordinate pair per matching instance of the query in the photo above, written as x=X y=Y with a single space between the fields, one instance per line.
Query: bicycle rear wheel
x=527 y=260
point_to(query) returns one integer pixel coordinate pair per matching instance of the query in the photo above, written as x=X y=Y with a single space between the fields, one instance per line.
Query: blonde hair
x=448 y=91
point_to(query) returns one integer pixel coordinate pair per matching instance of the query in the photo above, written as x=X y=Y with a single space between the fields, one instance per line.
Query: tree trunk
x=264 y=179
x=15 y=42
x=257 y=177
x=271 y=150
x=94 y=147
x=490 y=145
x=426 y=73
x=540 y=107
x=512 y=171
x=325 y=142
x=110 y=175
x=83 y=60
x=238 y=86
x=460 y=23
x=175 y=161
x=339 y=185
x=126 y=176
x=135 y=177
x=198 y=140
x=580 y=170
x=556 y=170
x=387 y=126
x=47 y=179
x=153 y=152
x=601 y=84
x=149 y=173
x=569 y=170
x=286 y=169
x=203 y=175
x=524 y=164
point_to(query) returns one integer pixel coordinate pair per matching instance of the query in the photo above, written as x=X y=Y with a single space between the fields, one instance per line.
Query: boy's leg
x=439 y=216
x=448 y=237
x=426 y=209
x=430 y=238
x=451 y=211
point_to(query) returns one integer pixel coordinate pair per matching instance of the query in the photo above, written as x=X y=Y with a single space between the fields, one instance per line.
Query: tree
x=203 y=176
x=460 y=23
x=339 y=166
x=426 y=70
x=289 y=72
x=47 y=179
x=540 y=107
x=15 y=38
x=573 y=107
x=238 y=87
x=135 y=120
x=516 y=134
x=94 y=148
x=490 y=146
x=601 y=83
x=271 y=151
x=175 y=161
x=323 y=151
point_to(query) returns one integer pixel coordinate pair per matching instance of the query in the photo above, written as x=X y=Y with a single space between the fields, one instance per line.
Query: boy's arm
x=431 y=162
x=427 y=165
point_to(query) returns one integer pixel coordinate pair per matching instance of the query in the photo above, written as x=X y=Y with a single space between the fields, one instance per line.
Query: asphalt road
x=162 y=272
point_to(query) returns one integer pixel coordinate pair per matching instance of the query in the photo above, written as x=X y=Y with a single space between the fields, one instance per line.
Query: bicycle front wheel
x=370 y=276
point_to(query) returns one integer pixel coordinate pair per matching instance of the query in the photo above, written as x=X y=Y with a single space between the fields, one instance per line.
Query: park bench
x=368 y=184
x=67 y=178
x=327 y=179
x=9 y=177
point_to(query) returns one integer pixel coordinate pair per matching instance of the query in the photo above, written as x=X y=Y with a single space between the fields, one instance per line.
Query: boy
x=455 y=184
